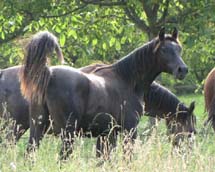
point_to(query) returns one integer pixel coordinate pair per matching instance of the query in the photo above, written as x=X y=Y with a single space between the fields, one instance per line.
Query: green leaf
x=118 y=46
x=2 y=35
x=112 y=41
x=58 y=29
x=123 y=40
x=94 y=42
x=72 y=33
x=104 y=46
x=62 y=39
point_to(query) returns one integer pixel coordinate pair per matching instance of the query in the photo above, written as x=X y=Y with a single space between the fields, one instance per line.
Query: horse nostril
x=194 y=132
x=179 y=69
x=182 y=70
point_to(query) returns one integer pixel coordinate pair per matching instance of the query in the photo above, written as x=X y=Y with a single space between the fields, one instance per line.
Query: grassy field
x=151 y=153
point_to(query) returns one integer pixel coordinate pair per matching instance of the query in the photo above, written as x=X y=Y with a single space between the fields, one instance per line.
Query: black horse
x=74 y=99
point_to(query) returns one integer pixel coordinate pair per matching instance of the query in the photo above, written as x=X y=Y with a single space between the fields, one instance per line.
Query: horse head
x=168 y=54
x=182 y=125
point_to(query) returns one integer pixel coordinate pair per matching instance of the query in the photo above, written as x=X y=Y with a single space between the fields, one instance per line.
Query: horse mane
x=94 y=67
x=162 y=99
x=35 y=75
x=129 y=66
x=165 y=98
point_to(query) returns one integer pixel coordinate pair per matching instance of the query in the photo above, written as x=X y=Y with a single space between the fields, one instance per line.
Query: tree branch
x=13 y=35
x=101 y=3
x=165 y=13
x=64 y=14
x=19 y=31
x=155 y=9
x=132 y=15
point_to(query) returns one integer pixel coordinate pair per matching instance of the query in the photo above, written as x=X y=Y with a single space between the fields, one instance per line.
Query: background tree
x=105 y=30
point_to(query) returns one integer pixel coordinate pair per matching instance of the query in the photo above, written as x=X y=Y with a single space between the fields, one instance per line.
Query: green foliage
x=91 y=31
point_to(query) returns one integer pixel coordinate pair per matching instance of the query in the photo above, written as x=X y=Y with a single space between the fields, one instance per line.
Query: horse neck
x=162 y=100
x=139 y=68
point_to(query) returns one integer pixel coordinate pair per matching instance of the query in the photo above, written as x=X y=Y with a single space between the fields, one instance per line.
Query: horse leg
x=38 y=120
x=128 y=143
x=67 y=136
x=211 y=115
x=15 y=132
x=104 y=128
x=19 y=130
x=130 y=133
x=105 y=143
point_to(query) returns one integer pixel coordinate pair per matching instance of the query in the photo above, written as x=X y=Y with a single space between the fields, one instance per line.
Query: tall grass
x=151 y=153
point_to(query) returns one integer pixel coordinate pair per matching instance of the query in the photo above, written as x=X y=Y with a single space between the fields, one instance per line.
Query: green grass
x=152 y=154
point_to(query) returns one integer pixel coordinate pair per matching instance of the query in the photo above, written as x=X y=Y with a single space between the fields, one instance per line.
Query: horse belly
x=98 y=124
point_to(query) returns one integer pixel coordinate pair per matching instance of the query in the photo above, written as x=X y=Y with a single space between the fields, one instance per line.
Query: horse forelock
x=168 y=37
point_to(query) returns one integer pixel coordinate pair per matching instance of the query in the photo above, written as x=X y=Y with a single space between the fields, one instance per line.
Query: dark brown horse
x=159 y=102
x=209 y=90
x=74 y=99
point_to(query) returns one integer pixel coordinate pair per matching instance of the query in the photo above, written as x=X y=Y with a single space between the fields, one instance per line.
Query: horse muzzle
x=181 y=72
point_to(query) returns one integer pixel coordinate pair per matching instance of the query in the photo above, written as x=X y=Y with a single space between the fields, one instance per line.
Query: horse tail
x=35 y=75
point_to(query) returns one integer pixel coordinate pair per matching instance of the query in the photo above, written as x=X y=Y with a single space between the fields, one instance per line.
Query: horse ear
x=175 y=33
x=192 y=107
x=162 y=34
